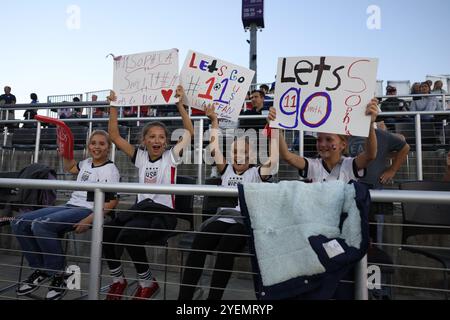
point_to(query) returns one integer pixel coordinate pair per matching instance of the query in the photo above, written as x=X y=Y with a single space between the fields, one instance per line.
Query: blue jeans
x=38 y=233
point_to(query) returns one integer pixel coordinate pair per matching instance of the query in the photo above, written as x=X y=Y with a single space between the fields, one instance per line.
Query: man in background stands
x=8 y=100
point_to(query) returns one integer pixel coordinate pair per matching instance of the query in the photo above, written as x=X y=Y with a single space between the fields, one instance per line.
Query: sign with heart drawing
x=148 y=78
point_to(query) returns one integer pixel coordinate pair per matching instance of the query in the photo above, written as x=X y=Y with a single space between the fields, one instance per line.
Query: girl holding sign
x=150 y=217
x=332 y=165
x=38 y=232
x=224 y=232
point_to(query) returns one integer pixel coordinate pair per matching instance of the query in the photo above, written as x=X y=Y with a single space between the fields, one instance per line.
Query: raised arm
x=187 y=123
x=215 y=149
x=370 y=151
x=70 y=166
x=113 y=129
x=293 y=159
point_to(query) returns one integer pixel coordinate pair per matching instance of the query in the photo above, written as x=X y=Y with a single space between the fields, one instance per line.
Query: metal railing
x=99 y=189
x=201 y=124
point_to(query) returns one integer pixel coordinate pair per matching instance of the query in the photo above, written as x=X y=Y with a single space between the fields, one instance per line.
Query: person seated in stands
x=39 y=231
x=425 y=103
x=224 y=232
x=265 y=88
x=77 y=112
x=380 y=172
x=63 y=113
x=257 y=99
x=30 y=113
x=99 y=112
x=415 y=89
x=447 y=173
x=332 y=165
x=393 y=104
x=437 y=89
x=157 y=166
x=8 y=100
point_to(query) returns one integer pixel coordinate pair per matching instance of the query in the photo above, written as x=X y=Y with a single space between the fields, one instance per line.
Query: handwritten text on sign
x=148 y=78
x=325 y=94
x=207 y=80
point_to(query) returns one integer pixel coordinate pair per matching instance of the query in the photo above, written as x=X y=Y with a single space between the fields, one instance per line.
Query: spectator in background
x=99 y=112
x=430 y=83
x=268 y=100
x=257 y=99
x=393 y=104
x=264 y=88
x=30 y=113
x=77 y=112
x=63 y=113
x=447 y=174
x=6 y=101
x=425 y=103
x=415 y=89
x=379 y=171
x=437 y=89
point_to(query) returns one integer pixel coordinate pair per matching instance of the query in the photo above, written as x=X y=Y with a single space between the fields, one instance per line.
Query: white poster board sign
x=208 y=80
x=325 y=94
x=148 y=78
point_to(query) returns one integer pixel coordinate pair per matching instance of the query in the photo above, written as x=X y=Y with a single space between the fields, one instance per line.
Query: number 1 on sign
x=208 y=95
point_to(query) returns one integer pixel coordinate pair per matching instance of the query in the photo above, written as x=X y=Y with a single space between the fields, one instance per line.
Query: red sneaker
x=147 y=292
x=116 y=290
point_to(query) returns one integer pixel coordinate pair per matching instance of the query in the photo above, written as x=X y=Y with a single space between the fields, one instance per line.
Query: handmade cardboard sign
x=148 y=78
x=208 y=80
x=325 y=94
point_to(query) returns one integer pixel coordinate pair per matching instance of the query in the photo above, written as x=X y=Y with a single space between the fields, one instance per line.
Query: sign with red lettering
x=207 y=80
x=148 y=78
x=325 y=94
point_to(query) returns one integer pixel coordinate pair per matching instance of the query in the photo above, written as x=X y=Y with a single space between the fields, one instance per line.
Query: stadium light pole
x=253 y=51
x=253 y=19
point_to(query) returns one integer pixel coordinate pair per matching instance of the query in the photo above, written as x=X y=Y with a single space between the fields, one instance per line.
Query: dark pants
x=124 y=231
x=226 y=241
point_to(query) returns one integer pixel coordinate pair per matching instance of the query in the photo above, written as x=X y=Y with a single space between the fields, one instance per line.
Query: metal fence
x=94 y=274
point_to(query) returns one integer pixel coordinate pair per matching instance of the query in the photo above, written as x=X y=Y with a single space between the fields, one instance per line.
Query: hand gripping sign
x=64 y=136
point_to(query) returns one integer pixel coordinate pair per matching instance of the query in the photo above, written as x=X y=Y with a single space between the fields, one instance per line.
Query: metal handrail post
x=95 y=267
x=418 y=148
x=38 y=141
x=301 y=143
x=361 y=290
x=200 y=153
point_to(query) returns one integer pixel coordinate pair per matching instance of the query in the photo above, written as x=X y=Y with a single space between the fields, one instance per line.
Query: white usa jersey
x=317 y=171
x=105 y=173
x=231 y=179
x=161 y=171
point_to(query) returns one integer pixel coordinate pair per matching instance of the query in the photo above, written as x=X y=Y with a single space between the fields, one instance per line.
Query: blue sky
x=41 y=54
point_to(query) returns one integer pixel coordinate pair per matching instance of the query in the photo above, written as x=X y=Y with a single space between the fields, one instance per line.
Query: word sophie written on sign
x=325 y=94
x=208 y=80
x=148 y=78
